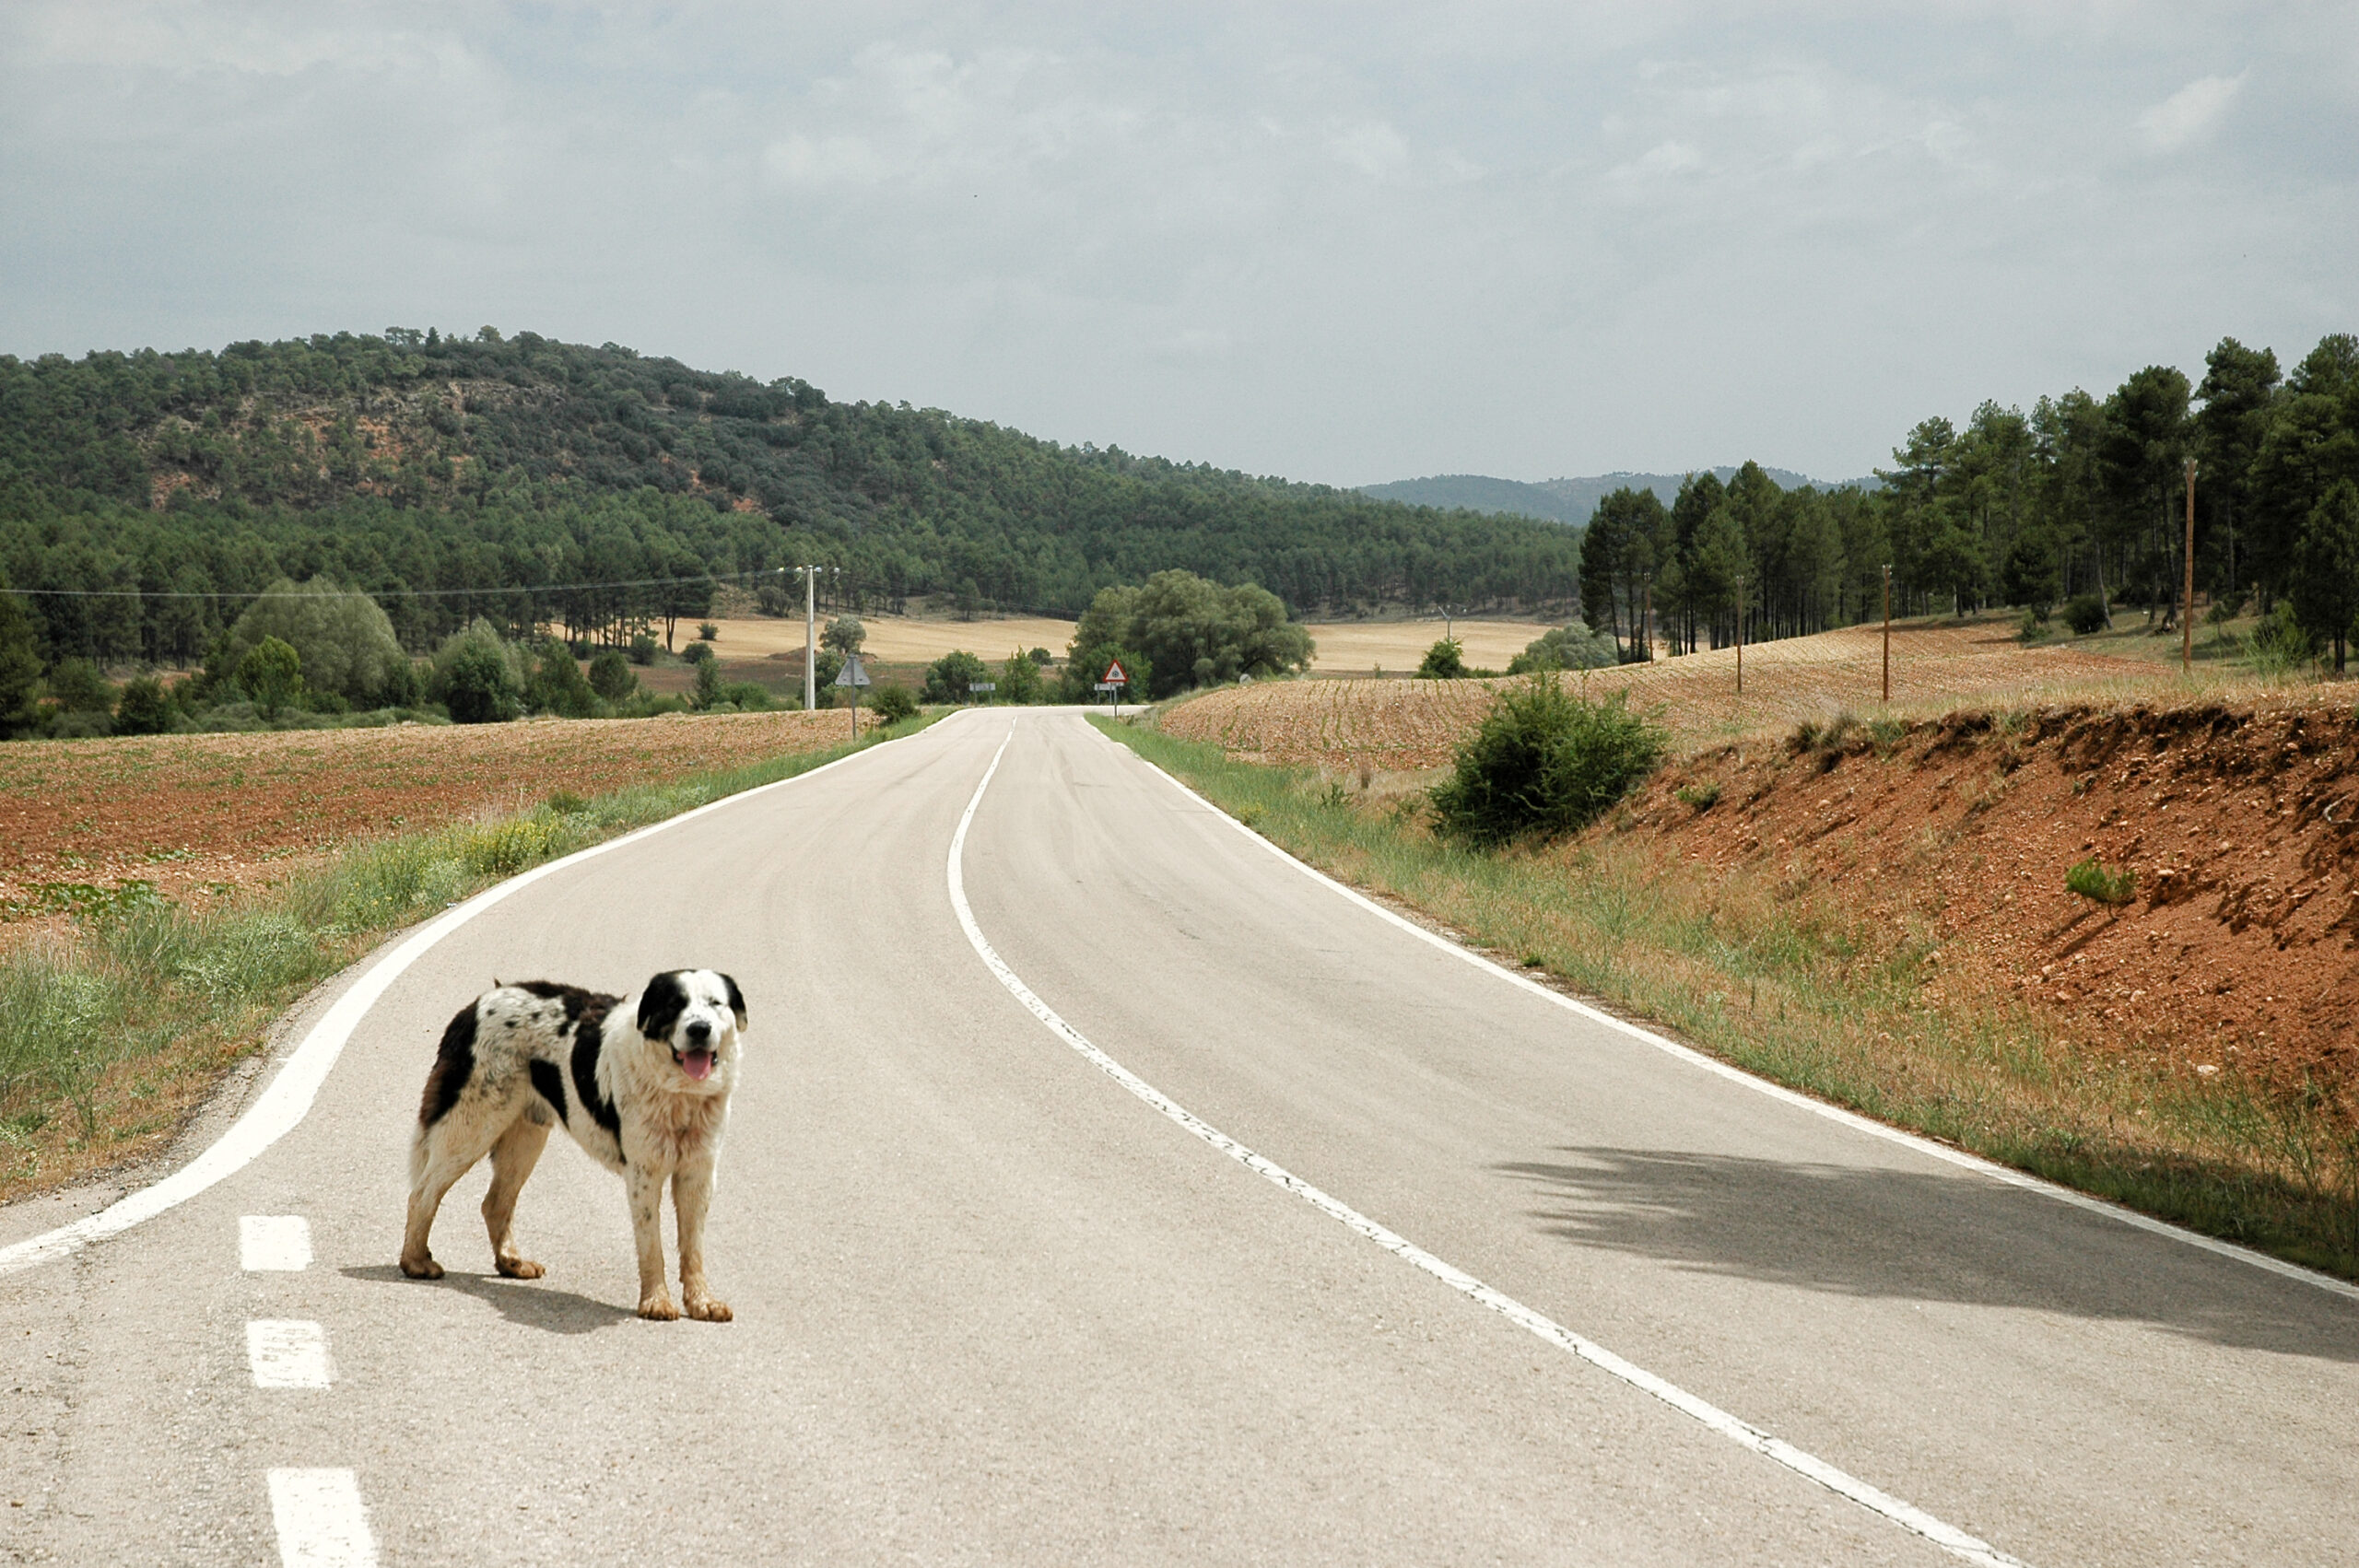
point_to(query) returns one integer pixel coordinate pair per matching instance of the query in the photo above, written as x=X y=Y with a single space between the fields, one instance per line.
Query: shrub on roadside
x=1545 y=761
x=893 y=703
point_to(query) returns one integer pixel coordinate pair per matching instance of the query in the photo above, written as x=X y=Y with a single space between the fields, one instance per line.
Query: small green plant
x=2279 y=648
x=707 y=632
x=893 y=703
x=1545 y=761
x=1703 y=797
x=2092 y=880
x=1335 y=799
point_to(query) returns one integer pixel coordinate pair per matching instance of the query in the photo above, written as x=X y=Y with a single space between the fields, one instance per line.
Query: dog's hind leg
x=512 y=1158
x=692 y=1195
x=439 y=1156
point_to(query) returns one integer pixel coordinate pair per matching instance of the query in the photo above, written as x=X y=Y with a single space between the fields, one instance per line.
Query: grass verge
x=1778 y=981
x=113 y=1033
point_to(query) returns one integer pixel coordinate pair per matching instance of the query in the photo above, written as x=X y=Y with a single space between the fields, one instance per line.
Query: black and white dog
x=642 y=1083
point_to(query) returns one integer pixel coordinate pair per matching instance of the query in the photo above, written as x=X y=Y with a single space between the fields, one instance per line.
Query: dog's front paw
x=422 y=1269
x=519 y=1268
x=706 y=1310
x=658 y=1309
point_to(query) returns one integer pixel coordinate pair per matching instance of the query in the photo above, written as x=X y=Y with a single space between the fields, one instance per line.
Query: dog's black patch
x=661 y=1005
x=577 y=1000
x=551 y=1083
x=454 y=1063
x=588 y=1040
x=736 y=999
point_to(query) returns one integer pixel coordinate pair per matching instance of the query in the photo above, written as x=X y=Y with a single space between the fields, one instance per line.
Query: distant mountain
x=1562 y=500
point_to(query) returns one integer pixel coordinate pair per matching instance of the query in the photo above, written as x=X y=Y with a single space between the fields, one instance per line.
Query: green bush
x=343 y=640
x=1573 y=646
x=478 y=676
x=1703 y=797
x=272 y=673
x=1545 y=761
x=1444 y=661
x=893 y=703
x=147 y=709
x=746 y=697
x=948 y=677
x=2278 y=647
x=708 y=690
x=2090 y=878
x=642 y=649
x=611 y=677
x=2084 y=612
x=78 y=687
x=557 y=684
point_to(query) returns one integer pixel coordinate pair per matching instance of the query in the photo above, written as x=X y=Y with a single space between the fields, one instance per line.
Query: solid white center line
x=320 y=1519
x=288 y=1353
x=274 y=1242
x=1909 y=1517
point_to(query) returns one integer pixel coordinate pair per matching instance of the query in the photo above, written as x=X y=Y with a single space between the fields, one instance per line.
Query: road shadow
x=527 y=1303
x=1924 y=1236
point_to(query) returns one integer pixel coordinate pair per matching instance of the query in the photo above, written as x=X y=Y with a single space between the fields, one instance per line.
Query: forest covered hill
x=428 y=470
x=1572 y=500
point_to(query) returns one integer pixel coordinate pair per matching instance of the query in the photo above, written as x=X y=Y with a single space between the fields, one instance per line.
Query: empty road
x=1496 y=1282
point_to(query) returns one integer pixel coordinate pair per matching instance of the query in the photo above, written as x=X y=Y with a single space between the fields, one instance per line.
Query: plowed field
x=1403 y=725
x=199 y=814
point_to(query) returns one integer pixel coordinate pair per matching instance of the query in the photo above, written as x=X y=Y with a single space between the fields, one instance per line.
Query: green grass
x=111 y=1032
x=1776 y=979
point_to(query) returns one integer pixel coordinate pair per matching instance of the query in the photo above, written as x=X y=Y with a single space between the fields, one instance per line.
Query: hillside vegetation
x=427 y=469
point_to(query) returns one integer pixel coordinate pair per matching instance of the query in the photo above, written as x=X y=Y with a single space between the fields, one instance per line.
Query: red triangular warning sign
x=1114 y=676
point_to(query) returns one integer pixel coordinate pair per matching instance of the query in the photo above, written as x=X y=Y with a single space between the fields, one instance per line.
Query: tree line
x=458 y=478
x=2082 y=498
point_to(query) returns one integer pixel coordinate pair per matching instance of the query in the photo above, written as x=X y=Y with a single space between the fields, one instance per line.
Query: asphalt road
x=992 y=1307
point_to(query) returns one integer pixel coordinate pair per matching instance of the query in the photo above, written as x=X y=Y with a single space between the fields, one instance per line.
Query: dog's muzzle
x=698 y=1059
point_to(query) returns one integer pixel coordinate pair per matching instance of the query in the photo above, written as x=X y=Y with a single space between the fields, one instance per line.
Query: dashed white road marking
x=321 y=1522
x=1909 y=1517
x=288 y=1353
x=274 y=1243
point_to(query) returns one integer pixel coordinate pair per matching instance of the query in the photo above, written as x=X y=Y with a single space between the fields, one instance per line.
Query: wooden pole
x=1887 y=634
x=1740 y=637
x=1648 y=617
x=2187 y=619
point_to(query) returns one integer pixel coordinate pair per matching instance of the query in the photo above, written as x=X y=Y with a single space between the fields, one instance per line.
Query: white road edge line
x=1694 y=1058
x=274 y=1243
x=289 y=1352
x=1916 y=1520
x=320 y=1521
x=283 y=1106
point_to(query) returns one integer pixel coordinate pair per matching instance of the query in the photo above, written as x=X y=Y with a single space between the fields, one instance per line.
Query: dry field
x=1343 y=647
x=1403 y=725
x=1363 y=647
x=198 y=815
x=898 y=639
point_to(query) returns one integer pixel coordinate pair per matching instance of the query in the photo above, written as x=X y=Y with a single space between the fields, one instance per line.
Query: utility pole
x=2187 y=619
x=810 y=638
x=1887 y=632
x=1646 y=618
x=1739 y=633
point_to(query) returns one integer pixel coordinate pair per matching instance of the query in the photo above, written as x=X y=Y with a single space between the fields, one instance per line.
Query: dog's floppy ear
x=661 y=1005
x=737 y=998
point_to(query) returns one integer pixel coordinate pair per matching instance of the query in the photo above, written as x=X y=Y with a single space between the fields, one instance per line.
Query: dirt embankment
x=2239 y=945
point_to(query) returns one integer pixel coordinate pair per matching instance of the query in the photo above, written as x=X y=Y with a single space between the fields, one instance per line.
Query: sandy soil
x=199 y=815
x=2240 y=945
x=1414 y=724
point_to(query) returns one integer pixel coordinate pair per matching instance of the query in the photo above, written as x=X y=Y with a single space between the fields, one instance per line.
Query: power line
x=396 y=592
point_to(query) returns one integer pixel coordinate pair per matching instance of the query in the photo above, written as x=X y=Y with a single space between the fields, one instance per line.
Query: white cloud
x=2190 y=114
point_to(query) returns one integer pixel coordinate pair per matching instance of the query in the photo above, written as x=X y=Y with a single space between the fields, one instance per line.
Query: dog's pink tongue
x=696 y=1064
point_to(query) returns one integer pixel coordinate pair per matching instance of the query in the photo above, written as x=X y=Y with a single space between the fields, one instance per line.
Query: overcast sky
x=1339 y=242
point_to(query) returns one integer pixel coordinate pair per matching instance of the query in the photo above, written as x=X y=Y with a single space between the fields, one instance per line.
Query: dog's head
x=697 y=1014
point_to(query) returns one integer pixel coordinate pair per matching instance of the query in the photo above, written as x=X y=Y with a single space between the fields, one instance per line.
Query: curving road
x=992 y=1305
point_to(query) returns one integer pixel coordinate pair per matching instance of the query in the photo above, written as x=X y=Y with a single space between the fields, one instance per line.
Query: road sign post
x=853 y=677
